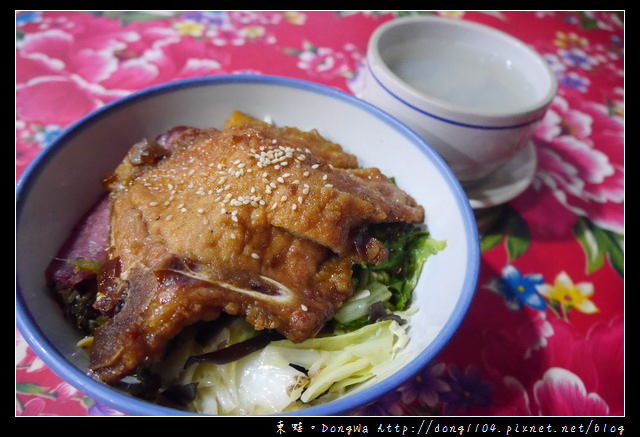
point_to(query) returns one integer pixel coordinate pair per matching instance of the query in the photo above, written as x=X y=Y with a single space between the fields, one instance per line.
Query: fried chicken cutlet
x=253 y=220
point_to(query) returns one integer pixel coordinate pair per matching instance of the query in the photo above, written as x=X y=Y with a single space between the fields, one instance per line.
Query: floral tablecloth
x=545 y=332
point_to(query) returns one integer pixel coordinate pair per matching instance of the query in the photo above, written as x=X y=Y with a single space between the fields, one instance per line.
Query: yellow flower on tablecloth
x=568 y=294
x=189 y=27
x=295 y=17
x=253 y=32
x=451 y=14
x=570 y=40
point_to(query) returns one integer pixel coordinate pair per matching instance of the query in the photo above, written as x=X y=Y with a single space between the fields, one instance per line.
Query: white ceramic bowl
x=475 y=133
x=64 y=180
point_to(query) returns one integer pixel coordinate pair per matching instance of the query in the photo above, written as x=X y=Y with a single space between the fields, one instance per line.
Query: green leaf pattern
x=513 y=230
x=599 y=243
x=30 y=388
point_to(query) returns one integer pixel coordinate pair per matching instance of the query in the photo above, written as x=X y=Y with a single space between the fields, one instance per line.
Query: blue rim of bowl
x=133 y=406
x=447 y=120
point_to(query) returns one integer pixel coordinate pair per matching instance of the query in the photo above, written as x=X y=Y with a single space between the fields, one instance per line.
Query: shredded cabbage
x=265 y=382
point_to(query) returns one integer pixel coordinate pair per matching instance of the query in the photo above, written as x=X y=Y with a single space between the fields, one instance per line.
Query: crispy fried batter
x=254 y=220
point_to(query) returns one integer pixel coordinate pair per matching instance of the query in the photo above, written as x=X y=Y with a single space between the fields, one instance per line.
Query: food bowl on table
x=66 y=179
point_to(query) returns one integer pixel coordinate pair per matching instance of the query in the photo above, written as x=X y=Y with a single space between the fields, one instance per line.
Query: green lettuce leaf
x=393 y=280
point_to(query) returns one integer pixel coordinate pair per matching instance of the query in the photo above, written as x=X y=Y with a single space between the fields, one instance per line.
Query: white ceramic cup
x=474 y=93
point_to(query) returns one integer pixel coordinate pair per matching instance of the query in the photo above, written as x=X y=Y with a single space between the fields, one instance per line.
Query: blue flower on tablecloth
x=213 y=18
x=571 y=19
x=100 y=409
x=427 y=386
x=28 y=17
x=46 y=134
x=517 y=289
x=575 y=81
x=576 y=57
x=615 y=39
x=467 y=389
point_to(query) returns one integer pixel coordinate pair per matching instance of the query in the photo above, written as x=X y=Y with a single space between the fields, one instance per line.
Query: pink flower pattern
x=581 y=176
x=504 y=360
x=322 y=62
x=560 y=392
